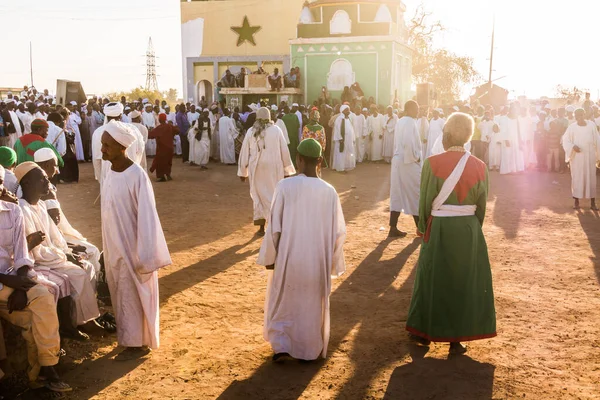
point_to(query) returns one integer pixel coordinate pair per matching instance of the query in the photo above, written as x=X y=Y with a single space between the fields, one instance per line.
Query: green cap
x=7 y=157
x=310 y=148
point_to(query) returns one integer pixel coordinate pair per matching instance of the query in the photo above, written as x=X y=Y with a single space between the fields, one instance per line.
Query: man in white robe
x=495 y=149
x=136 y=152
x=134 y=245
x=436 y=125
x=227 y=133
x=376 y=127
x=406 y=169
x=264 y=161
x=582 y=148
x=302 y=252
x=26 y=116
x=359 y=123
x=423 y=127
x=388 y=135
x=16 y=122
x=344 y=154
x=136 y=120
x=512 y=142
x=149 y=121
x=53 y=253
x=199 y=137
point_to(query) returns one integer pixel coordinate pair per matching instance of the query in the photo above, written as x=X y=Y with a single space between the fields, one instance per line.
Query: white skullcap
x=570 y=109
x=127 y=108
x=253 y=107
x=73 y=103
x=8 y=101
x=120 y=132
x=344 y=108
x=263 y=113
x=455 y=108
x=205 y=110
x=274 y=108
x=135 y=114
x=113 y=109
x=364 y=109
x=44 y=154
x=145 y=101
x=295 y=105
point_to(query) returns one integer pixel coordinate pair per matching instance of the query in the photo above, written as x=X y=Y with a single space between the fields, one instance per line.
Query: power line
x=151 y=83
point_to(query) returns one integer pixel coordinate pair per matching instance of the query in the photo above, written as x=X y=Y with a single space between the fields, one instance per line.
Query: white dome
x=306 y=16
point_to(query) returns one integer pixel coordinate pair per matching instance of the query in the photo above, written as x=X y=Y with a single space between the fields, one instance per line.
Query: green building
x=341 y=42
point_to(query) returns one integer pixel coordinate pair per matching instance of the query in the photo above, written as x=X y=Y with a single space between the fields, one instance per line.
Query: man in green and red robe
x=28 y=144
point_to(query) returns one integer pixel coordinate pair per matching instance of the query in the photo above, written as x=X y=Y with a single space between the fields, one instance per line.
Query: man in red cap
x=165 y=135
x=28 y=144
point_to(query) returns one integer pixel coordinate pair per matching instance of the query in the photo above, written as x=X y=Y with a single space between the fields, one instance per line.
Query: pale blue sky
x=539 y=44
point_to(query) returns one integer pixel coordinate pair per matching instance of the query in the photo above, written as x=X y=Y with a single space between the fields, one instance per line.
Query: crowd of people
x=438 y=176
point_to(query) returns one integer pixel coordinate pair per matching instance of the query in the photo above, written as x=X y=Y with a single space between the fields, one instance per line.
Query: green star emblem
x=245 y=32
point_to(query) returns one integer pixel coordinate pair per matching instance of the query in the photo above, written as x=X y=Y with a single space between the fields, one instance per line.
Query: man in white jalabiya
x=228 y=133
x=264 y=161
x=388 y=135
x=359 y=123
x=134 y=245
x=406 y=169
x=344 y=153
x=200 y=137
x=582 y=148
x=423 y=127
x=375 y=128
x=74 y=122
x=26 y=116
x=512 y=140
x=52 y=253
x=136 y=120
x=149 y=121
x=302 y=252
x=435 y=131
x=136 y=152
x=16 y=124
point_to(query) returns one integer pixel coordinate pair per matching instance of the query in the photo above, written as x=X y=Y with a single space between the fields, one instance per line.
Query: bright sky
x=539 y=43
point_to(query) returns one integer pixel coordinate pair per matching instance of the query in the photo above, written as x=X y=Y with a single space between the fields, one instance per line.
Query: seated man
x=25 y=303
x=46 y=160
x=228 y=80
x=275 y=80
x=8 y=160
x=52 y=254
x=290 y=79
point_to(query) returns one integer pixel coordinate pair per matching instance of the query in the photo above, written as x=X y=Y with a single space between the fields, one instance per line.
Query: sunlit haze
x=539 y=44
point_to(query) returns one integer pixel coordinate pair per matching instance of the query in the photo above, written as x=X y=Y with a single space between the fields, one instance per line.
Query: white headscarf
x=113 y=109
x=120 y=132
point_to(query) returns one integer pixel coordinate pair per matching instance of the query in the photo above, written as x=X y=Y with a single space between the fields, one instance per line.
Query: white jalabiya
x=26 y=118
x=56 y=137
x=388 y=137
x=436 y=127
x=284 y=130
x=135 y=152
x=149 y=121
x=307 y=251
x=13 y=137
x=527 y=133
x=51 y=254
x=406 y=168
x=583 y=164
x=177 y=142
x=264 y=160
x=343 y=160
x=125 y=118
x=192 y=117
x=144 y=132
x=495 y=149
x=376 y=126
x=227 y=133
x=199 y=149
x=41 y=115
x=438 y=208
x=134 y=250
x=438 y=147
x=512 y=155
x=423 y=127
x=73 y=122
x=359 y=123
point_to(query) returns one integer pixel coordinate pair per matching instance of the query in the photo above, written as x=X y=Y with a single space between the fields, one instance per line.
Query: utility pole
x=151 y=83
x=492 y=51
x=31 y=63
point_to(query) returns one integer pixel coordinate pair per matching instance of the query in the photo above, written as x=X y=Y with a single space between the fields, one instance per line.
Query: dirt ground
x=545 y=263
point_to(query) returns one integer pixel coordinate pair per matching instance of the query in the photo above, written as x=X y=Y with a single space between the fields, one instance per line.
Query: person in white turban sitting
x=134 y=245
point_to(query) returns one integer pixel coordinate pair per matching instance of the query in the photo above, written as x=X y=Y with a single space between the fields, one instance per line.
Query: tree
x=170 y=96
x=574 y=94
x=445 y=69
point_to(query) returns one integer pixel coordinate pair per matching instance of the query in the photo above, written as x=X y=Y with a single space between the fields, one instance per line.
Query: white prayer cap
x=263 y=113
x=145 y=101
x=295 y=105
x=44 y=154
x=253 y=107
x=135 y=114
x=438 y=110
x=147 y=105
x=19 y=103
x=8 y=101
x=455 y=108
x=205 y=110
x=121 y=132
x=127 y=108
x=344 y=108
x=364 y=109
x=570 y=109
x=274 y=108
x=39 y=104
x=73 y=103
x=113 y=109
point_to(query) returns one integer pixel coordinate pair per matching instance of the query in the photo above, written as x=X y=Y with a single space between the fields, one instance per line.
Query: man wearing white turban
x=134 y=245
x=136 y=152
x=344 y=153
x=149 y=122
x=264 y=161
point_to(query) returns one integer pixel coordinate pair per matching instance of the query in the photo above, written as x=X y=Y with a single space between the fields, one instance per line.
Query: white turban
x=205 y=110
x=253 y=107
x=145 y=101
x=135 y=114
x=274 y=108
x=364 y=109
x=344 y=108
x=295 y=105
x=570 y=109
x=113 y=109
x=120 y=132
x=44 y=154
x=73 y=103
x=263 y=113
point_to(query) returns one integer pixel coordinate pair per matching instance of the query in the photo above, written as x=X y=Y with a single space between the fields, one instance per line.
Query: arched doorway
x=204 y=88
